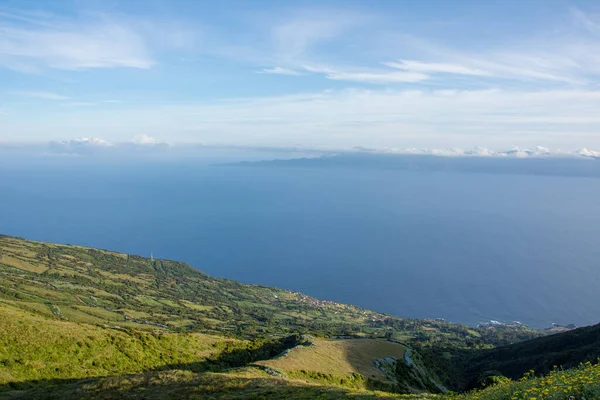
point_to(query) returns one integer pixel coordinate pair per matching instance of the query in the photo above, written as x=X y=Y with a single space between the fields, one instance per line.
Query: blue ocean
x=466 y=247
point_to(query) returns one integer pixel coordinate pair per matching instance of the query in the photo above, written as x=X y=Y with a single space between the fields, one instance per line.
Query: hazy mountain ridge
x=587 y=167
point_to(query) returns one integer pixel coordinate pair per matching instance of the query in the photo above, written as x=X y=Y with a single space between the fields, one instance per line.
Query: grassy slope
x=53 y=354
x=339 y=358
x=33 y=347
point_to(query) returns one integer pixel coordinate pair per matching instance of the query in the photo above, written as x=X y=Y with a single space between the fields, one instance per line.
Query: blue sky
x=332 y=74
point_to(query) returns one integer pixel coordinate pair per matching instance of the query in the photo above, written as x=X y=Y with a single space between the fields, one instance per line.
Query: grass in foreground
x=247 y=383
x=582 y=383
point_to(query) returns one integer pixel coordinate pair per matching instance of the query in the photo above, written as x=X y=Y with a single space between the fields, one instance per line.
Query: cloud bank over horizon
x=149 y=145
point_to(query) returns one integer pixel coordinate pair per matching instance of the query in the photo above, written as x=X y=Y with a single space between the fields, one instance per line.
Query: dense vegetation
x=79 y=284
x=464 y=369
x=541 y=356
x=78 y=323
x=582 y=382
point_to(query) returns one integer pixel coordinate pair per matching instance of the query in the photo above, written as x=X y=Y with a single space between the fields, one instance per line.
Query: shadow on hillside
x=175 y=384
x=195 y=380
x=228 y=358
x=236 y=357
x=468 y=368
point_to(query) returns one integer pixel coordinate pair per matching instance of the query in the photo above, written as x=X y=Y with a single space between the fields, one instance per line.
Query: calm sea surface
x=464 y=247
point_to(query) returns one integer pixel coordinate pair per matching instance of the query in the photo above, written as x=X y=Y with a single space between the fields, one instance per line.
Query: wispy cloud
x=295 y=37
x=551 y=58
x=94 y=43
x=569 y=63
x=278 y=71
x=569 y=55
x=530 y=66
x=587 y=21
x=39 y=95
x=378 y=77
x=402 y=71
x=30 y=41
x=81 y=104
x=418 y=66
x=514 y=67
x=368 y=76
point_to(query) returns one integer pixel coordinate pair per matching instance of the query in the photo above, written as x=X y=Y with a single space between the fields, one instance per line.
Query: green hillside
x=77 y=322
x=34 y=347
x=79 y=284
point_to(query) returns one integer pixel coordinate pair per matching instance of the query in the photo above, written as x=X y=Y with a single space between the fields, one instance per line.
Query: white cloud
x=542 y=150
x=532 y=66
x=141 y=144
x=563 y=55
x=90 y=146
x=589 y=153
x=361 y=42
x=145 y=140
x=588 y=22
x=30 y=42
x=298 y=35
x=39 y=95
x=513 y=66
x=378 y=77
x=418 y=66
x=553 y=61
x=514 y=152
x=79 y=146
x=96 y=43
x=81 y=104
x=370 y=76
x=278 y=71
x=549 y=58
x=91 y=142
